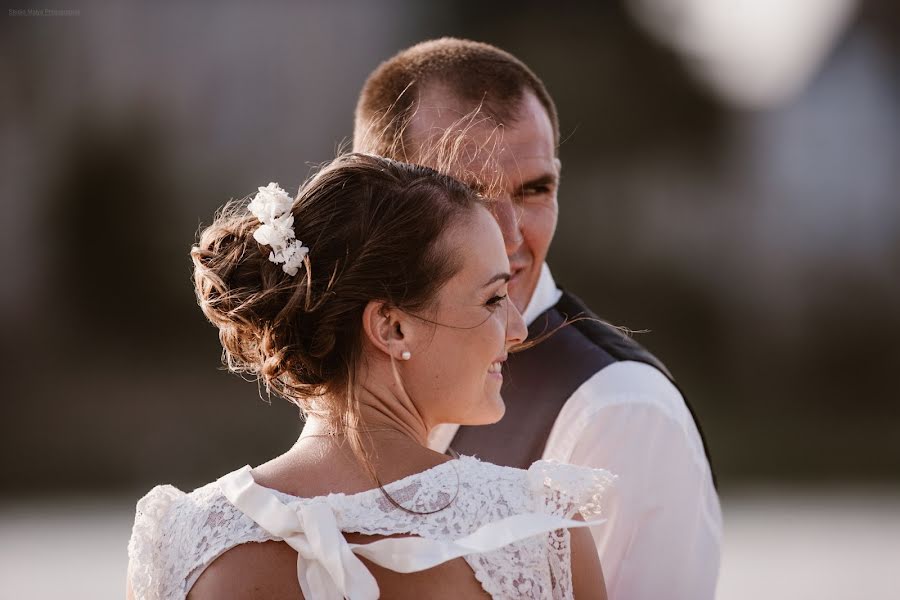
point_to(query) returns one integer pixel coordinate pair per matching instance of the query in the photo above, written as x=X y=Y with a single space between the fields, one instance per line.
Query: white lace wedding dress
x=509 y=525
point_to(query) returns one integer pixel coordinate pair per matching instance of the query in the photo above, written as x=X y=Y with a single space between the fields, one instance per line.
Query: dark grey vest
x=537 y=383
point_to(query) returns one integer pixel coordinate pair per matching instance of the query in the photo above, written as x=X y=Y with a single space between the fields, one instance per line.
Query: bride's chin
x=499 y=409
x=491 y=411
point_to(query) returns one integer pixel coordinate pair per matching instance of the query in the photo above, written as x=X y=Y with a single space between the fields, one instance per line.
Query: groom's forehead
x=483 y=155
x=524 y=130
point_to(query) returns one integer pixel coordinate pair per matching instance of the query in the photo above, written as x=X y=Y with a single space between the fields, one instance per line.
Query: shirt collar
x=545 y=295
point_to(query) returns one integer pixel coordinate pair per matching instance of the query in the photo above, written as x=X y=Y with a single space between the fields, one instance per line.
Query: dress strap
x=327 y=565
x=407 y=555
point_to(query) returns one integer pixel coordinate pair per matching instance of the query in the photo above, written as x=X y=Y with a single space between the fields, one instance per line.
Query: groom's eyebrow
x=498 y=277
x=548 y=179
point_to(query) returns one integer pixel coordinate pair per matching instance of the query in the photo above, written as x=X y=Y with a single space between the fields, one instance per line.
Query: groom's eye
x=534 y=194
x=536 y=190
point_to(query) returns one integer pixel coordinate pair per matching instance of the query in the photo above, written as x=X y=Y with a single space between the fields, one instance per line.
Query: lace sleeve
x=147 y=543
x=565 y=490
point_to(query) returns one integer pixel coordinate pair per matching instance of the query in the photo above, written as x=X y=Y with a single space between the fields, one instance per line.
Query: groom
x=587 y=395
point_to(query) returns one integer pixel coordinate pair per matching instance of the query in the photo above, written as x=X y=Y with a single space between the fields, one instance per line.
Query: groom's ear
x=385 y=327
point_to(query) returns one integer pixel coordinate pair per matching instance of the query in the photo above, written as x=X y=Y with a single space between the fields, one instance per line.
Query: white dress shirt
x=664 y=531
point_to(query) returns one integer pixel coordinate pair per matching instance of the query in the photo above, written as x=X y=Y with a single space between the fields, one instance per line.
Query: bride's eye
x=495 y=301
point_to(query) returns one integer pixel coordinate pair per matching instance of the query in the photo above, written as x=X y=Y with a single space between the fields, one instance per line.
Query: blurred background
x=730 y=184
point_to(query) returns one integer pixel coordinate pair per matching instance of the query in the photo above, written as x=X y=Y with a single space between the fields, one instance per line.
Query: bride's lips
x=496 y=368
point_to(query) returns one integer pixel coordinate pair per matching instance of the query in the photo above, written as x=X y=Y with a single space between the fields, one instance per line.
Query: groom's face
x=520 y=160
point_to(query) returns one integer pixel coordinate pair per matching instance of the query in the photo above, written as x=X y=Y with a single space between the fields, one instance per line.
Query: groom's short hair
x=477 y=74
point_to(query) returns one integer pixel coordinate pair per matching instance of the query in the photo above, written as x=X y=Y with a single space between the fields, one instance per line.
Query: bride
x=388 y=318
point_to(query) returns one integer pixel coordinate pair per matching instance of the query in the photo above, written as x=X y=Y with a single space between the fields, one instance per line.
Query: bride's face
x=454 y=374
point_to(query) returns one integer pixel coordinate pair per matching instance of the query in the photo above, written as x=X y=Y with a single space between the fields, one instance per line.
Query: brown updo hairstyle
x=375 y=228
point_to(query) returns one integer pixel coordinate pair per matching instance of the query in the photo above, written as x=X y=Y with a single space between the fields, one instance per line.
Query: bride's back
x=269 y=570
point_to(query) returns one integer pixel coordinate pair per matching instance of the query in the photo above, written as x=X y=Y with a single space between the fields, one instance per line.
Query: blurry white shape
x=795 y=544
x=753 y=53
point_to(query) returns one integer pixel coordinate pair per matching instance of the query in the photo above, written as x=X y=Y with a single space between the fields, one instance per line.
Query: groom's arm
x=664 y=532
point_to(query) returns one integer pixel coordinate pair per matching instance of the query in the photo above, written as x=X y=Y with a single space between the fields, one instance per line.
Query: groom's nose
x=516 y=329
x=509 y=218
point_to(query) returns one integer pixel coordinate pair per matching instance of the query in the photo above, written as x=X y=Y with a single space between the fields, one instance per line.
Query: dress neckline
x=396 y=484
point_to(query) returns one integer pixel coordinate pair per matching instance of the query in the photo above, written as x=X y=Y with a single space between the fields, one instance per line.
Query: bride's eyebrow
x=497 y=277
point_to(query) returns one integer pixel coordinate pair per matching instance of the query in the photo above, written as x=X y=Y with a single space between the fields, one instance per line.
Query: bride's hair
x=375 y=228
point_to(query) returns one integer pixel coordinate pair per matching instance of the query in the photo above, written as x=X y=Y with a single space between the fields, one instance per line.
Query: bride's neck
x=382 y=414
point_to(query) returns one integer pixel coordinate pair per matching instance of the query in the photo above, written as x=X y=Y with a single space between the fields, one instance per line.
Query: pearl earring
x=406 y=355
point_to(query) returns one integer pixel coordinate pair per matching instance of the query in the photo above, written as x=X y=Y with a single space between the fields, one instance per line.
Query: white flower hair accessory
x=272 y=206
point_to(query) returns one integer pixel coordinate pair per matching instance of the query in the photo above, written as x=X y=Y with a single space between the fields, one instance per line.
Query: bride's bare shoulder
x=254 y=570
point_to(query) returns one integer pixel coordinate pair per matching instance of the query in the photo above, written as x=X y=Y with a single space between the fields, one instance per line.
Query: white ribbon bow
x=327 y=565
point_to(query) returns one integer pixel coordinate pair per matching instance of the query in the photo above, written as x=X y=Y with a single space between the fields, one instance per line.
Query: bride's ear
x=386 y=328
